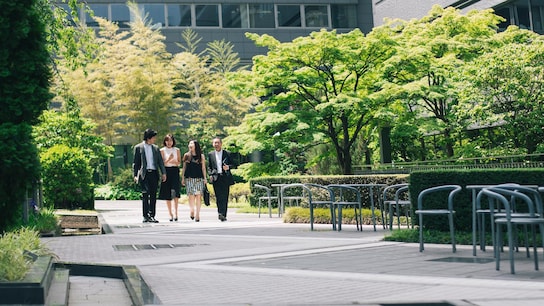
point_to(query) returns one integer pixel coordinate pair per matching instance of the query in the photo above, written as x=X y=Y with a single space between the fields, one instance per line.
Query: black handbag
x=206 y=195
x=229 y=178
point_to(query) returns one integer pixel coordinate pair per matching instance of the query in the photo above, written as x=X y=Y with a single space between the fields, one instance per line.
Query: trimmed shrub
x=420 y=180
x=67 y=178
x=323 y=180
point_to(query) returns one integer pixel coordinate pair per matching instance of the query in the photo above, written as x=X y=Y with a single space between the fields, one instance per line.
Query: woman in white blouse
x=170 y=189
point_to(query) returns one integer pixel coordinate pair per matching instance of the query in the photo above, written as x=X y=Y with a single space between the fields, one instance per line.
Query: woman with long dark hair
x=193 y=177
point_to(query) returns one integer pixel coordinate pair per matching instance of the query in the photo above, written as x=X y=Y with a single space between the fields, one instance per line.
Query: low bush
x=123 y=187
x=67 y=178
x=15 y=250
x=44 y=220
x=323 y=216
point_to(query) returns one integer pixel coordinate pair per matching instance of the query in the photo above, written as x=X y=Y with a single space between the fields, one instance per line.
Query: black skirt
x=171 y=188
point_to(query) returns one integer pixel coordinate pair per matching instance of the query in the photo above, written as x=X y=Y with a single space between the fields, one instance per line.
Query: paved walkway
x=263 y=261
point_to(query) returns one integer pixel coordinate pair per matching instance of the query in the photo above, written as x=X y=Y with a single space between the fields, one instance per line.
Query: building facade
x=528 y=14
x=231 y=19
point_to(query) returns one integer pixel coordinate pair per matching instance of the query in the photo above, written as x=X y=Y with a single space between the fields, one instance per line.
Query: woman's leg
x=198 y=204
x=169 y=205
x=176 y=203
x=192 y=205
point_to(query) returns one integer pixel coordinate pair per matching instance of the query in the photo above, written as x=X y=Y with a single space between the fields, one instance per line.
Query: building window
x=120 y=14
x=155 y=13
x=504 y=13
x=536 y=12
x=100 y=10
x=343 y=16
x=207 y=15
x=289 y=16
x=261 y=16
x=234 y=15
x=316 y=16
x=179 y=15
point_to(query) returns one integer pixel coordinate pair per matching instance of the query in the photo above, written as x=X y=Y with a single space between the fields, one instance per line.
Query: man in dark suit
x=147 y=162
x=219 y=164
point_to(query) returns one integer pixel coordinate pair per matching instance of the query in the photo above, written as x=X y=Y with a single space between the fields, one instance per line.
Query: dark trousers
x=149 y=187
x=221 y=189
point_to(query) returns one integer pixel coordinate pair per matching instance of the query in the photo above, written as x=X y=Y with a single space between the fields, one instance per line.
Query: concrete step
x=59 y=289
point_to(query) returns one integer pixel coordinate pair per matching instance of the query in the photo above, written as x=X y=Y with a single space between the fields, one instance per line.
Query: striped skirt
x=194 y=185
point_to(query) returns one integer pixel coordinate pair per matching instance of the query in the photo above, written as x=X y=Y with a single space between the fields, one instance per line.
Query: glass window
x=504 y=13
x=120 y=14
x=316 y=16
x=289 y=15
x=155 y=13
x=232 y=15
x=100 y=10
x=207 y=15
x=343 y=16
x=536 y=12
x=261 y=16
x=179 y=15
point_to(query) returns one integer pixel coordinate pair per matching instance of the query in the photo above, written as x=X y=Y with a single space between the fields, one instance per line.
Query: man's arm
x=160 y=163
x=137 y=163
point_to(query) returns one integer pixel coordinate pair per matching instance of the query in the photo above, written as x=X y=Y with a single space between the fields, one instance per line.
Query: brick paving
x=263 y=261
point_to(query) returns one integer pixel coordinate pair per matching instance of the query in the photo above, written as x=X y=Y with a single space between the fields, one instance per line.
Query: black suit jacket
x=139 y=166
x=212 y=164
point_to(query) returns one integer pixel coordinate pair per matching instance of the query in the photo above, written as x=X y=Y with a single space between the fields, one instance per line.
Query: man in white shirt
x=147 y=162
x=219 y=164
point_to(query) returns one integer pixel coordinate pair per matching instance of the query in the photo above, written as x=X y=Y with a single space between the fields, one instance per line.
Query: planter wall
x=33 y=288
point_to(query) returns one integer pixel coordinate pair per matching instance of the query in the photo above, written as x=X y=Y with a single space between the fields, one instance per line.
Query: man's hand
x=136 y=179
x=164 y=177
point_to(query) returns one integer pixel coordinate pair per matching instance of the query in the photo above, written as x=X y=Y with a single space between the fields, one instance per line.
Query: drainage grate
x=138 y=247
x=464 y=260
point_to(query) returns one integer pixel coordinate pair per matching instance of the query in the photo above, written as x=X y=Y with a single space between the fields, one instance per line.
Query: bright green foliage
x=126 y=89
x=431 y=52
x=24 y=83
x=68 y=128
x=316 y=89
x=67 y=178
x=204 y=83
x=44 y=220
x=323 y=216
x=14 y=263
x=509 y=88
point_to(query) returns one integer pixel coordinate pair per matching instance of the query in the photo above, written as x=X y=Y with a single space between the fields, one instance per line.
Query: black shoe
x=176 y=219
x=171 y=219
x=222 y=218
x=145 y=220
x=197 y=220
x=153 y=220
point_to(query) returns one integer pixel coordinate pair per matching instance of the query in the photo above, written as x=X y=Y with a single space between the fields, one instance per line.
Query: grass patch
x=15 y=250
x=432 y=236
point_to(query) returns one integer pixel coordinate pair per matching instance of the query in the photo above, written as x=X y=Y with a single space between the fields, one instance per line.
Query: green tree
x=507 y=85
x=68 y=128
x=316 y=89
x=430 y=52
x=143 y=83
x=24 y=94
x=207 y=87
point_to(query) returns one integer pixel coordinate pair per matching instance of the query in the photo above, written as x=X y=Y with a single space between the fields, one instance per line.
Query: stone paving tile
x=262 y=261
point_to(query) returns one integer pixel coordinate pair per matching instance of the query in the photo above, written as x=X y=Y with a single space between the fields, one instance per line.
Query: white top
x=170 y=156
x=218 y=161
x=149 y=156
